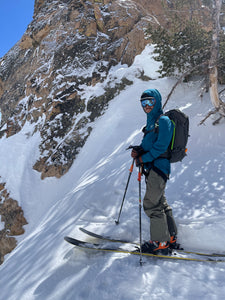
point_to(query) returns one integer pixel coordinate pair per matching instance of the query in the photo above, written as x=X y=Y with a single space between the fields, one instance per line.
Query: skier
x=163 y=230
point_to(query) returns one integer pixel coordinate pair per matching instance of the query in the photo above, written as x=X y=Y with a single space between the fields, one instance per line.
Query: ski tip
x=68 y=239
x=117 y=222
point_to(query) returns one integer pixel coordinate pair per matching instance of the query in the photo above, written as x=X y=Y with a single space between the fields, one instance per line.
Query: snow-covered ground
x=45 y=267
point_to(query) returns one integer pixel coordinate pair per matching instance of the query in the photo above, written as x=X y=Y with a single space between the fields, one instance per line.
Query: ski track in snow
x=44 y=266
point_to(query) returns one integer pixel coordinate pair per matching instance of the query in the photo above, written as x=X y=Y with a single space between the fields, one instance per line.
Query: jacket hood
x=157 y=110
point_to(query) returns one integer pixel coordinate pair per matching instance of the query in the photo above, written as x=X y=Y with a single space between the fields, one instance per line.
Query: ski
x=123 y=241
x=106 y=238
x=103 y=248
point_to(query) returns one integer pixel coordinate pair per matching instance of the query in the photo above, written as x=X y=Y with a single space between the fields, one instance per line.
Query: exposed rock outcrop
x=68 y=47
x=12 y=219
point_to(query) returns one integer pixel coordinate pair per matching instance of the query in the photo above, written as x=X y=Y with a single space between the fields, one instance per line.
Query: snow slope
x=44 y=266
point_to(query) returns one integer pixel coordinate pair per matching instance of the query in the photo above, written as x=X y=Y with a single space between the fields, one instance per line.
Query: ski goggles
x=150 y=101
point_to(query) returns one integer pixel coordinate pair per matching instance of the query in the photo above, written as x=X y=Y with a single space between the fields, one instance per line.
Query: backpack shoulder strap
x=157 y=123
x=155 y=129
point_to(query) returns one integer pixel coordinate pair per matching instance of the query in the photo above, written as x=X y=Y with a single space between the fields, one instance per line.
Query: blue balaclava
x=157 y=110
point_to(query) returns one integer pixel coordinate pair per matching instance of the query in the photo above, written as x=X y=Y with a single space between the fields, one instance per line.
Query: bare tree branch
x=208 y=115
x=217 y=120
x=220 y=110
x=181 y=79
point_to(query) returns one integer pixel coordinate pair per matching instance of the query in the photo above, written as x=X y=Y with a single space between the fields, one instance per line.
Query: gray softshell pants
x=162 y=224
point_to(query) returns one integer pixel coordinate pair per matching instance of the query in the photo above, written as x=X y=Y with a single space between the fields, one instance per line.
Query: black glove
x=137 y=151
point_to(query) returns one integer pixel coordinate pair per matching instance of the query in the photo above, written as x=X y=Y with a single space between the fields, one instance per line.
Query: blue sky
x=15 y=16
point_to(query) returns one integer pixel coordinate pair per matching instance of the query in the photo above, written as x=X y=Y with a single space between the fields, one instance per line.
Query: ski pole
x=130 y=172
x=139 y=179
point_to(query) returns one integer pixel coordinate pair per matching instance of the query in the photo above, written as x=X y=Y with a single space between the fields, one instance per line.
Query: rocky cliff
x=68 y=47
x=12 y=217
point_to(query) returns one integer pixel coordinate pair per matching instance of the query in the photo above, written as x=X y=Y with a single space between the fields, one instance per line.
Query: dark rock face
x=12 y=219
x=68 y=47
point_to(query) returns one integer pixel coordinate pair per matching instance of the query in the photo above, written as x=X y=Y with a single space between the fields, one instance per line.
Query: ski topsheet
x=103 y=248
x=107 y=238
x=123 y=241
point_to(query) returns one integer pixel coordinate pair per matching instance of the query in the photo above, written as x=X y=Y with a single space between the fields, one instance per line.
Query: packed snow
x=44 y=266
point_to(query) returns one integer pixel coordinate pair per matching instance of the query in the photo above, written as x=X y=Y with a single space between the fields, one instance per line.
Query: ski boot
x=173 y=243
x=155 y=247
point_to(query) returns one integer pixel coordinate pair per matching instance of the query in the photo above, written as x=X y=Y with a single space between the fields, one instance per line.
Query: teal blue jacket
x=156 y=143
